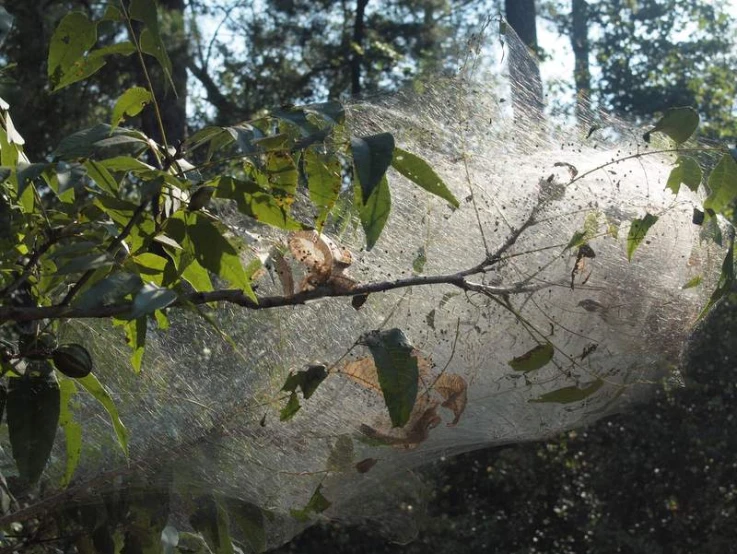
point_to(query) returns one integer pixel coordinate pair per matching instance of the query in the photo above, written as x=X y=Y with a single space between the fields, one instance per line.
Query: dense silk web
x=209 y=413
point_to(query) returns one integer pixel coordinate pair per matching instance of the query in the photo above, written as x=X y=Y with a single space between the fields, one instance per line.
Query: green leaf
x=112 y=13
x=534 y=359
x=150 y=40
x=210 y=519
x=691 y=283
x=200 y=197
x=419 y=172
x=154 y=46
x=281 y=170
x=578 y=238
x=101 y=140
x=102 y=177
x=273 y=142
x=255 y=202
x=125 y=163
x=324 y=180
x=135 y=332
x=151 y=298
x=80 y=70
x=590 y=229
x=151 y=267
x=291 y=408
x=686 y=171
x=85 y=66
x=215 y=253
x=27 y=173
x=125 y=48
x=111 y=290
x=316 y=505
x=203 y=136
x=372 y=156
x=72 y=430
x=32 y=407
x=93 y=386
x=638 y=231
x=307 y=380
x=145 y=12
x=197 y=276
x=568 y=395
x=722 y=187
x=397 y=369
x=726 y=279
x=87 y=262
x=375 y=213
x=130 y=103
x=678 y=123
x=74 y=36
x=249 y=520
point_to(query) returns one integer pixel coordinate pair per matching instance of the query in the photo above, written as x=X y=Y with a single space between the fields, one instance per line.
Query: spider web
x=210 y=413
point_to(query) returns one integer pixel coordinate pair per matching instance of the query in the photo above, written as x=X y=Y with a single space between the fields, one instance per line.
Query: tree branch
x=222 y=104
x=18 y=314
x=236 y=296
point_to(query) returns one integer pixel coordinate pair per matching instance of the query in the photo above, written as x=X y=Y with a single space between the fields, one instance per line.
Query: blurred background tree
x=232 y=58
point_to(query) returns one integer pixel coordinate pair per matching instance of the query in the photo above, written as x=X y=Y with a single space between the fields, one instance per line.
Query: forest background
x=635 y=58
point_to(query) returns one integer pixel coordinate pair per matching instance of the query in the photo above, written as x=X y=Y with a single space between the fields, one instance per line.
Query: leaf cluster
x=114 y=222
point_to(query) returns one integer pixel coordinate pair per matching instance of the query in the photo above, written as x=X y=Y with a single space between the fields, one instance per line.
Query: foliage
x=117 y=225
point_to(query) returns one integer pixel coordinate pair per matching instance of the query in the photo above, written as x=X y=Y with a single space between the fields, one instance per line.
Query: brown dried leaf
x=424 y=364
x=454 y=390
x=416 y=431
x=342 y=283
x=284 y=272
x=363 y=371
x=308 y=249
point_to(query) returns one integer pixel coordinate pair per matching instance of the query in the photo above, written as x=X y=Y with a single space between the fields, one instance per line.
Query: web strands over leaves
x=579 y=332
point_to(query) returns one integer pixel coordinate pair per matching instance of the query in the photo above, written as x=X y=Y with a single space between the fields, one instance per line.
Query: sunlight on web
x=575 y=334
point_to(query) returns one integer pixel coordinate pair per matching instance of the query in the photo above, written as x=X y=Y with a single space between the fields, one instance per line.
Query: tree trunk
x=172 y=102
x=521 y=16
x=357 y=46
x=527 y=89
x=581 y=74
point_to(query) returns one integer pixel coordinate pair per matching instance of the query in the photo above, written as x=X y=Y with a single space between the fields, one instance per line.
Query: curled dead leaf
x=411 y=435
x=454 y=390
x=283 y=272
x=324 y=259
